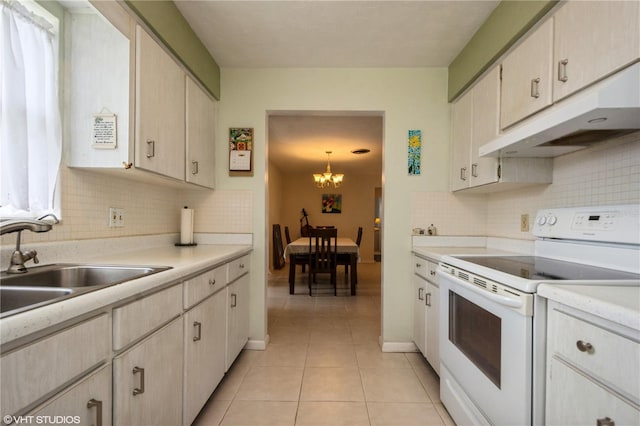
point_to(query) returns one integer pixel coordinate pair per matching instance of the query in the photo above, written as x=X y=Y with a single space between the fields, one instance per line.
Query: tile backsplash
x=606 y=173
x=149 y=209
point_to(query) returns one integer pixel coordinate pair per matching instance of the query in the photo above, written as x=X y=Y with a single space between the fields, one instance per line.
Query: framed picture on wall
x=240 y=151
x=331 y=203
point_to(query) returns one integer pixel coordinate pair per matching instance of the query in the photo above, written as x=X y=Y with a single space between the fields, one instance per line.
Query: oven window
x=476 y=332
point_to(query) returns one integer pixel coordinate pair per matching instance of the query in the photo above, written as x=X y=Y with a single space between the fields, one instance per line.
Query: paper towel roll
x=186 y=226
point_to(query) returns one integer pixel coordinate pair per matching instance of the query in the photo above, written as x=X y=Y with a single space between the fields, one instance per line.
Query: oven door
x=486 y=353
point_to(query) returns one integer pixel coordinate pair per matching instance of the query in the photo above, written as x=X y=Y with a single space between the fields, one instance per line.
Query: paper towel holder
x=191 y=244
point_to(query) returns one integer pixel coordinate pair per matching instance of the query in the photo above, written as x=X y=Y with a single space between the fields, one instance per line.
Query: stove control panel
x=617 y=224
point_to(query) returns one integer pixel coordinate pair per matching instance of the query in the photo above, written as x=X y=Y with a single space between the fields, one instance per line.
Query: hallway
x=324 y=366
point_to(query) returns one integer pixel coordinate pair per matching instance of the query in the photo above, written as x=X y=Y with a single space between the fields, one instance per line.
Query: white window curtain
x=30 y=129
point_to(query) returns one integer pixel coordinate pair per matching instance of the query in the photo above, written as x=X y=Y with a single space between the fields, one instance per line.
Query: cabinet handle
x=98 y=404
x=584 y=346
x=420 y=291
x=212 y=281
x=242 y=266
x=463 y=173
x=198 y=326
x=474 y=170
x=562 y=70
x=605 y=422
x=151 y=148
x=535 y=88
x=140 y=390
x=234 y=300
x=428 y=299
x=432 y=273
x=194 y=167
x=418 y=265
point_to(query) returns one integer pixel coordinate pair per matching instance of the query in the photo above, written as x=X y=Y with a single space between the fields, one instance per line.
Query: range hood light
x=597 y=120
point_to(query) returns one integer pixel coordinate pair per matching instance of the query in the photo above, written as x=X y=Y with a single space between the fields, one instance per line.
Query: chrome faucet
x=18 y=258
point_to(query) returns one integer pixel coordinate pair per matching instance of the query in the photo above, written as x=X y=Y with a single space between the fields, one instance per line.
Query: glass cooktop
x=542 y=268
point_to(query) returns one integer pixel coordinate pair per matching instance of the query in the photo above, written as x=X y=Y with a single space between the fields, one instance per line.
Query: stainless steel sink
x=71 y=275
x=52 y=283
x=15 y=298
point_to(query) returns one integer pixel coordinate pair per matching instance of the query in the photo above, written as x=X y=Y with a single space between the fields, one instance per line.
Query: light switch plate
x=116 y=217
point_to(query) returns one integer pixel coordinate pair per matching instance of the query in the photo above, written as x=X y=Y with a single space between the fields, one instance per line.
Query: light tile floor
x=324 y=366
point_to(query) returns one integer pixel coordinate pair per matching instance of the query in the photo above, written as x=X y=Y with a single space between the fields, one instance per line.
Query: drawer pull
x=584 y=346
x=151 y=148
x=605 y=422
x=535 y=88
x=140 y=390
x=562 y=70
x=242 y=266
x=198 y=327
x=418 y=265
x=432 y=273
x=212 y=281
x=98 y=404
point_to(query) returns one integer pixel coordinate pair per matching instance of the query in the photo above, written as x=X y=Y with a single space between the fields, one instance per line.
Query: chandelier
x=327 y=178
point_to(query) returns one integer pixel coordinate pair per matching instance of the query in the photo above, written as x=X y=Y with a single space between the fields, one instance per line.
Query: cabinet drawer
x=198 y=288
x=574 y=399
x=420 y=266
x=132 y=321
x=239 y=267
x=39 y=368
x=608 y=351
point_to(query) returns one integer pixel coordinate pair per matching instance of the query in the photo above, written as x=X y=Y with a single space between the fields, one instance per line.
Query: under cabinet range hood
x=605 y=110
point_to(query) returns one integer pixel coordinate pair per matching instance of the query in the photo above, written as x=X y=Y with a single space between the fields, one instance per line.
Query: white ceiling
x=340 y=33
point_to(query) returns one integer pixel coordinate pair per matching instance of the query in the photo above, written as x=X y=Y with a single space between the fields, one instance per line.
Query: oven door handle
x=512 y=302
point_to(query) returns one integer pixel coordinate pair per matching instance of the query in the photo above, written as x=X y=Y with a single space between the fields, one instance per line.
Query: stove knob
x=552 y=220
x=541 y=220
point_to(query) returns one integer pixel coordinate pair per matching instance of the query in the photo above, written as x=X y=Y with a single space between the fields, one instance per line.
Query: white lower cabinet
x=86 y=403
x=237 y=318
x=419 y=314
x=148 y=379
x=585 y=381
x=432 y=325
x=426 y=310
x=205 y=328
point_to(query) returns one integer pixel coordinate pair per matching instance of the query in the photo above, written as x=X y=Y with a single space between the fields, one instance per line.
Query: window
x=30 y=127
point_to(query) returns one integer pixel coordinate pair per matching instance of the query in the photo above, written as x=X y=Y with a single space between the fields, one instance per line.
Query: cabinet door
x=148 y=380
x=574 y=399
x=160 y=109
x=461 y=116
x=237 y=318
x=201 y=129
x=204 y=352
x=526 y=77
x=89 y=401
x=432 y=327
x=419 y=313
x=485 y=124
x=592 y=40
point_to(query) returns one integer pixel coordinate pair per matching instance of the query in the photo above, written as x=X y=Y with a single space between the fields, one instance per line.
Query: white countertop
x=614 y=303
x=184 y=261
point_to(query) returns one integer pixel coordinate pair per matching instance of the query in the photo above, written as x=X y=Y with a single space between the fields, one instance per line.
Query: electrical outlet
x=116 y=217
x=524 y=222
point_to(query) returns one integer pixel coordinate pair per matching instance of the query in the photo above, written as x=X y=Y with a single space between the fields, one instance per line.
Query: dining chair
x=298 y=259
x=323 y=246
x=345 y=258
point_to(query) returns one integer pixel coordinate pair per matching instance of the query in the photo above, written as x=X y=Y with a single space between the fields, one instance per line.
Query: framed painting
x=331 y=203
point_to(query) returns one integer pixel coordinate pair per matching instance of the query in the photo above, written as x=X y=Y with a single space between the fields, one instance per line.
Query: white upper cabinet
x=201 y=126
x=592 y=40
x=527 y=77
x=160 y=109
x=484 y=127
x=461 y=116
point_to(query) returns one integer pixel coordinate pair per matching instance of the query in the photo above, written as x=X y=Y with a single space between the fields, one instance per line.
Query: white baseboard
x=257 y=345
x=399 y=347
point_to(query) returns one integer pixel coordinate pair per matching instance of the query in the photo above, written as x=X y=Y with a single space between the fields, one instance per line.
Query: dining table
x=300 y=247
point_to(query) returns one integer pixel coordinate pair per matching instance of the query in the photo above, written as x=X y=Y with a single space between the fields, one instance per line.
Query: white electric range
x=492 y=324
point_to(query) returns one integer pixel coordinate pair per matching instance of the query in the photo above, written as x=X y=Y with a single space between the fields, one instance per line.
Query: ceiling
x=342 y=34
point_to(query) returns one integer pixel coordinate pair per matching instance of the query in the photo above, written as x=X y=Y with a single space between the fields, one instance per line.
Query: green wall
x=164 y=18
x=508 y=21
